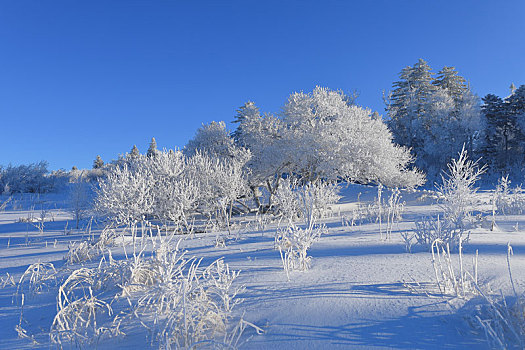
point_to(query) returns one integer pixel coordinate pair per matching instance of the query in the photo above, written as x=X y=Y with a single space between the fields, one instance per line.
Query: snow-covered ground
x=360 y=292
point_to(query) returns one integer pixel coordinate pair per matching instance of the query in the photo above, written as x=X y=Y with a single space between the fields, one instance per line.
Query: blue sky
x=81 y=78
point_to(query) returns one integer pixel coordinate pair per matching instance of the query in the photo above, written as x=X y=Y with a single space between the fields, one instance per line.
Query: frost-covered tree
x=30 y=178
x=327 y=138
x=134 y=153
x=434 y=117
x=152 y=150
x=98 y=163
x=449 y=80
x=213 y=139
x=408 y=104
x=263 y=136
x=504 y=134
x=320 y=135
x=247 y=111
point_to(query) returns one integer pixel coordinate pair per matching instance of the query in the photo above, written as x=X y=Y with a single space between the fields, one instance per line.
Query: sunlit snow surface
x=354 y=296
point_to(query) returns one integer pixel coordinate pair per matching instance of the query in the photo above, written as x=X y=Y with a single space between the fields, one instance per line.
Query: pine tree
x=247 y=111
x=449 y=80
x=98 y=163
x=512 y=88
x=152 y=150
x=434 y=117
x=408 y=105
x=134 y=153
x=515 y=106
x=499 y=133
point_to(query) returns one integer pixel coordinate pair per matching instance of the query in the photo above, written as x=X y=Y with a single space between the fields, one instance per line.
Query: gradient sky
x=81 y=78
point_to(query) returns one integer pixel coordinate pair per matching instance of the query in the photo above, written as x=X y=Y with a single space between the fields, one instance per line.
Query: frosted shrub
x=78 y=311
x=76 y=321
x=170 y=188
x=428 y=230
x=394 y=210
x=449 y=280
x=509 y=200
x=457 y=191
x=315 y=198
x=184 y=305
x=309 y=201
x=293 y=244
x=82 y=251
x=220 y=183
x=286 y=201
x=458 y=198
x=502 y=320
x=38 y=276
x=125 y=194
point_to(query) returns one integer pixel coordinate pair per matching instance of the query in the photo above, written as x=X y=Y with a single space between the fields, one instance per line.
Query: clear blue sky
x=81 y=78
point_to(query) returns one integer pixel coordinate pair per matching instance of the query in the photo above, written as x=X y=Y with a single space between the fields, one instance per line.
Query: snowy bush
x=450 y=280
x=82 y=251
x=183 y=305
x=428 y=230
x=286 y=200
x=30 y=178
x=36 y=278
x=170 y=187
x=509 y=200
x=293 y=243
x=502 y=319
x=77 y=321
x=457 y=191
x=309 y=201
x=125 y=194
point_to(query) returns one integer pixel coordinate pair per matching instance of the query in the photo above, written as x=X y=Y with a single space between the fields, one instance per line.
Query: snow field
x=359 y=292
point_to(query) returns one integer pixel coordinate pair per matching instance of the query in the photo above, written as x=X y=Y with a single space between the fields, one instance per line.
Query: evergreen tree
x=515 y=106
x=500 y=133
x=152 y=150
x=434 y=117
x=512 y=88
x=409 y=103
x=247 y=111
x=134 y=153
x=98 y=163
x=449 y=80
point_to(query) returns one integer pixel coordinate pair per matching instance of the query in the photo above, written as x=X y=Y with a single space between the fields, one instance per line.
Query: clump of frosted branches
x=170 y=187
x=79 y=311
x=309 y=201
x=182 y=304
x=428 y=230
x=503 y=319
x=81 y=251
x=450 y=280
x=293 y=243
x=457 y=191
x=509 y=200
x=458 y=199
x=38 y=276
